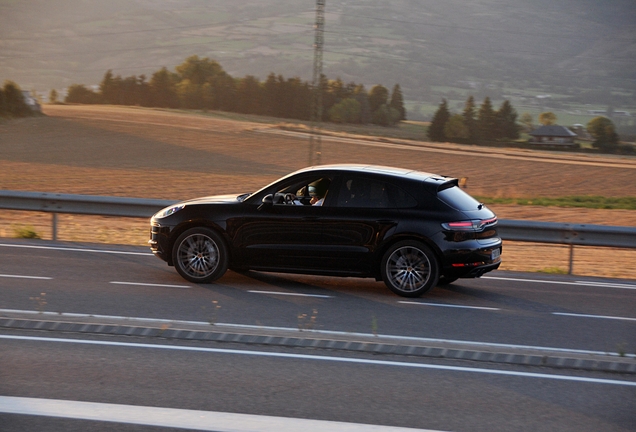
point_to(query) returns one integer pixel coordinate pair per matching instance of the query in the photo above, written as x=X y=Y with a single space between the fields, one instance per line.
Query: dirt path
x=102 y=150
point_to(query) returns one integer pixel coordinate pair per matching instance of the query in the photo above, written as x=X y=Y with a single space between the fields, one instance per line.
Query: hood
x=214 y=199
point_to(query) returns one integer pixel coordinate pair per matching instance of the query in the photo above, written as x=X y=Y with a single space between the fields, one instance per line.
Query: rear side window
x=458 y=199
x=365 y=193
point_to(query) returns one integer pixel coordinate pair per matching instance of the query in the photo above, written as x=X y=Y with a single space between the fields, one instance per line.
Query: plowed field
x=103 y=150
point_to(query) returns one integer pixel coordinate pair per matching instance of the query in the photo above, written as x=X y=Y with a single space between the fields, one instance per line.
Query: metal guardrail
x=514 y=230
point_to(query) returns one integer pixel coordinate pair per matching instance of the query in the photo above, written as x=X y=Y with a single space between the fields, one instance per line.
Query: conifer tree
x=507 y=126
x=436 y=128
x=397 y=101
x=486 y=121
x=470 y=122
x=455 y=129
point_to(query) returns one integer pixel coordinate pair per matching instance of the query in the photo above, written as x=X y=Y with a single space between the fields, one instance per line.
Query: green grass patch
x=25 y=232
x=586 y=201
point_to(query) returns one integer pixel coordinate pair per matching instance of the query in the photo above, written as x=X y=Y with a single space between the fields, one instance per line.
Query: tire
x=445 y=280
x=409 y=268
x=200 y=255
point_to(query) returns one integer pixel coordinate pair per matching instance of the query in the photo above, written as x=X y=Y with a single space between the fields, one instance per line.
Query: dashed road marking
x=593 y=316
x=150 y=285
x=448 y=305
x=289 y=294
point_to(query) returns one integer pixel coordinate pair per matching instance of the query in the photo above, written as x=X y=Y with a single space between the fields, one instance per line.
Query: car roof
x=377 y=169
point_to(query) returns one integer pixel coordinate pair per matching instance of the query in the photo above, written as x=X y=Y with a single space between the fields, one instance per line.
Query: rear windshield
x=458 y=199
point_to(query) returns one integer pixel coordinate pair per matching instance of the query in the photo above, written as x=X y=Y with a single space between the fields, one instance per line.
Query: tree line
x=475 y=125
x=201 y=83
x=12 y=102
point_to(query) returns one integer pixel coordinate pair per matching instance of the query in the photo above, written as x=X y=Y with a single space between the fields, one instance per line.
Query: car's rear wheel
x=410 y=268
x=200 y=255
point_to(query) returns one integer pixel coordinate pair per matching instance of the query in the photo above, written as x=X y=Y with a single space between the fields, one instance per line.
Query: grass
x=25 y=232
x=586 y=201
x=553 y=270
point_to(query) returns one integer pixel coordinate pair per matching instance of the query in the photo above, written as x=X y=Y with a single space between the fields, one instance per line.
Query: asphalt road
x=361 y=389
x=506 y=308
x=139 y=383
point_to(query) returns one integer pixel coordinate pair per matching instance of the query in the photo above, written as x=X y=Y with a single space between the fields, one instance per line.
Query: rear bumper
x=473 y=262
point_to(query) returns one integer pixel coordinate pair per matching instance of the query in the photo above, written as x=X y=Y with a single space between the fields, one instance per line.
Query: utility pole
x=315 y=141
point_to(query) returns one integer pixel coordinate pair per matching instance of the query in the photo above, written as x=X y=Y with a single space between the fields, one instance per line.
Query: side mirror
x=268 y=200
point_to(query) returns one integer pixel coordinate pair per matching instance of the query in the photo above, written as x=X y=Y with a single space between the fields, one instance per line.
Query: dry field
x=118 y=151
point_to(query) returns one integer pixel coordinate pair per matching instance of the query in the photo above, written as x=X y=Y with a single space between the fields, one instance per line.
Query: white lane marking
x=325 y=358
x=77 y=249
x=178 y=418
x=150 y=285
x=593 y=316
x=448 y=305
x=25 y=277
x=584 y=283
x=289 y=294
x=220 y=326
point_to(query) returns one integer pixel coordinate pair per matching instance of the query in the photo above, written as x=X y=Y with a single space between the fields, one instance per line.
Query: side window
x=311 y=191
x=364 y=193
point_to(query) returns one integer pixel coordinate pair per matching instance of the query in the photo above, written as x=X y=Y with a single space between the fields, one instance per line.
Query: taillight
x=472 y=225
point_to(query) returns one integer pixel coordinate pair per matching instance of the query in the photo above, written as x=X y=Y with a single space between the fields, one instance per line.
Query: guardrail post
x=571 y=265
x=54 y=227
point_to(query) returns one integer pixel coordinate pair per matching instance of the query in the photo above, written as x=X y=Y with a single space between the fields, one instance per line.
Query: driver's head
x=319 y=188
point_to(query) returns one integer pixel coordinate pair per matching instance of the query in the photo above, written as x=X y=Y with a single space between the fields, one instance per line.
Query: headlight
x=168 y=211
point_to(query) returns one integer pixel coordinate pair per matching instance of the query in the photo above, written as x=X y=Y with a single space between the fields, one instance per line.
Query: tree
x=470 y=122
x=436 y=129
x=199 y=70
x=53 y=96
x=4 y=109
x=14 y=101
x=456 y=130
x=378 y=96
x=111 y=88
x=385 y=116
x=249 y=95
x=486 y=121
x=547 y=118
x=361 y=96
x=604 y=133
x=273 y=89
x=347 y=111
x=397 y=101
x=527 y=121
x=507 y=126
x=77 y=93
x=190 y=94
x=163 y=91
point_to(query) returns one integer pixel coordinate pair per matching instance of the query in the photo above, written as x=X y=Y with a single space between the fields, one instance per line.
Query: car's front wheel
x=410 y=268
x=200 y=255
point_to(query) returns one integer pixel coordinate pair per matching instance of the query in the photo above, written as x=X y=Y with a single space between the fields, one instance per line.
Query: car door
x=363 y=214
x=281 y=235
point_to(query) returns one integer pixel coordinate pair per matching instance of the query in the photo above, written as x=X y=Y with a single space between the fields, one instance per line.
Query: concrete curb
x=608 y=363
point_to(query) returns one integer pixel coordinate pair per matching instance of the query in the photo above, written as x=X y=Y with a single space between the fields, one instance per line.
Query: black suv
x=411 y=229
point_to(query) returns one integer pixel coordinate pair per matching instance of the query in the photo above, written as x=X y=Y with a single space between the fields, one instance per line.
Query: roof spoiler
x=446 y=183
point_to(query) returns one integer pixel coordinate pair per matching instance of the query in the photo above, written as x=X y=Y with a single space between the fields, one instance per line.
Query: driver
x=318 y=190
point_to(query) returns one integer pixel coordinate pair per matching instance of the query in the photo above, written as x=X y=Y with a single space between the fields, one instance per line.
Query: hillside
x=503 y=45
